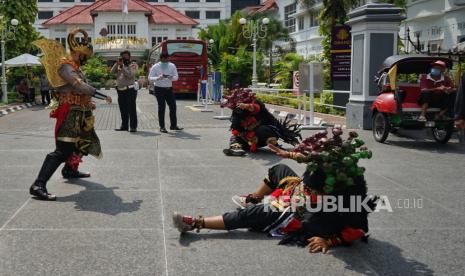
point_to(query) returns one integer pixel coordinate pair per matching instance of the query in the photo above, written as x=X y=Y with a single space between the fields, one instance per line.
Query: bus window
x=183 y=47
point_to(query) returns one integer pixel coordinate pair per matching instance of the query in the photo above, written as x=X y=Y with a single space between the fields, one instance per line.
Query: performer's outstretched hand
x=317 y=244
x=278 y=151
x=108 y=100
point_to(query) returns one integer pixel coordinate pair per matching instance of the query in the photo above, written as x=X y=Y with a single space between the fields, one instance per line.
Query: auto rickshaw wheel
x=441 y=135
x=381 y=127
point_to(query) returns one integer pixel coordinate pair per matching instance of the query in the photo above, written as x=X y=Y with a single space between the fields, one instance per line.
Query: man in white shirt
x=163 y=74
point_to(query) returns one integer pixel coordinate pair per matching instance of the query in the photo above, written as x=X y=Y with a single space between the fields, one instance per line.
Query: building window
x=45 y=1
x=211 y=1
x=301 y=21
x=212 y=14
x=461 y=25
x=87 y=0
x=62 y=40
x=314 y=20
x=118 y=30
x=66 y=0
x=171 y=1
x=436 y=31
x=158 y=39
x=193 y=14
x=42 y=15
x=434 y=46
x=152 y=0
x=181 y=37
x=289 y=22
x=192 y=1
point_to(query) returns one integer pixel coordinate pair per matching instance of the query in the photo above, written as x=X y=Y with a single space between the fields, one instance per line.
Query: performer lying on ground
x=253 y=126
x=292 y=210
x=74 y=130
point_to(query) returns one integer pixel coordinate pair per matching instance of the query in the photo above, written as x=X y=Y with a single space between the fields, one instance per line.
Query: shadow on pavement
x=100 y=199
x=265 y=154
x=382 y=257
x=37 y=107
x=429 y=146
x=146 y=133
x=184 y=135
x=187 y=238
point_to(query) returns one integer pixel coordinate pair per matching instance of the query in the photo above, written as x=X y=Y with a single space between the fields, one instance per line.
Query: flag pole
x=124 y=14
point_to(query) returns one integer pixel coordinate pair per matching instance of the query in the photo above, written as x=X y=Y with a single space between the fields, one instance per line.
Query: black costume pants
x=127 y=107
x=53 y=160
x=258 y=217
x=262 y=132
x=165 y=96
x=45 y=96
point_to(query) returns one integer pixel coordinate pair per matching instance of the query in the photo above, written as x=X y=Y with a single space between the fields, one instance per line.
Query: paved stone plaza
x=118 y=222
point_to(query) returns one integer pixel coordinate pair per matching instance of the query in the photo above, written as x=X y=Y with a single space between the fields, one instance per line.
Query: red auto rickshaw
x=399 y=89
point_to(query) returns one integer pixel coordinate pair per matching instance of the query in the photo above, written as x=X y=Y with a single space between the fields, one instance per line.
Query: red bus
x=190 y=58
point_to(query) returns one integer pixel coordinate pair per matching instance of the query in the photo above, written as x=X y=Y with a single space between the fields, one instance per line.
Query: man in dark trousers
x=44 y=90
x=163 y=74
x=127 y=94
x=460 y=105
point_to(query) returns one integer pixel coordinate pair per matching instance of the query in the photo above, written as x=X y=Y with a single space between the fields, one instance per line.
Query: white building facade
x=112 y=31
x=439 y=24
x=302 y=26
x=205 y=12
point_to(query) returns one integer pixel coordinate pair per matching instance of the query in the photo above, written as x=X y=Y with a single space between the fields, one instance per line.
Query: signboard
x=340 y=53
x=295 y=82
x=310 y=77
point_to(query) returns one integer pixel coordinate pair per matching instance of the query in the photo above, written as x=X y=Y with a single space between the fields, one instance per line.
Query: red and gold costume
x=253 y=126
x=74 y=129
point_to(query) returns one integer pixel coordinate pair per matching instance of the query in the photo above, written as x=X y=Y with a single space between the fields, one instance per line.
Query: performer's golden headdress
x=82 y=46
x=55 y=54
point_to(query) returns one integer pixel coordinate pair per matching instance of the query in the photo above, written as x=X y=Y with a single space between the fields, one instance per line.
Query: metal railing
x=302 y=102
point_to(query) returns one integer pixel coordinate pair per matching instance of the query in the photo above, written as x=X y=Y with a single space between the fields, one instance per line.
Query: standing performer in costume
x=74 y=130
x=253 y=126
x=332 y=171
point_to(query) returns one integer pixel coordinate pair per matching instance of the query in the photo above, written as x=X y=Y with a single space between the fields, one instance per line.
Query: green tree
x=96 y=70
x=275 y=32
x=284 y=68
x=230 y=46
x=25 y=12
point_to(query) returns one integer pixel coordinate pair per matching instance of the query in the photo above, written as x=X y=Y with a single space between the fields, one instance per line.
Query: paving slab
x=118 y=221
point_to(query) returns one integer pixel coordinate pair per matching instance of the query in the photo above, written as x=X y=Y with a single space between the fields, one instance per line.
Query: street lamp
x=6 y=34
x=254 y=29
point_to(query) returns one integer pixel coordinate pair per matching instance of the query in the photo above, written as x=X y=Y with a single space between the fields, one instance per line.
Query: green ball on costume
x=347 y=161
x=312 y=166
x=330 y=180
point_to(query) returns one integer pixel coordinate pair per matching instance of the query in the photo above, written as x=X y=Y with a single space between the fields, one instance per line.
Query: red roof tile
x=158 y=14
x=267 y=5
x=117 y=6
x=163 y=14
x=71 y=16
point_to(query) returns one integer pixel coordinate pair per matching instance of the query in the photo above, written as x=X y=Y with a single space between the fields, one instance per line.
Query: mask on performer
x=81 y=46
x=82 y=59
